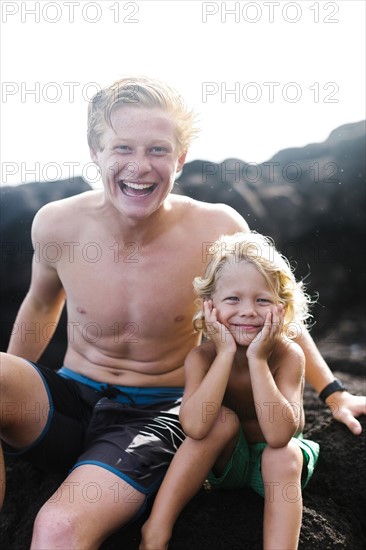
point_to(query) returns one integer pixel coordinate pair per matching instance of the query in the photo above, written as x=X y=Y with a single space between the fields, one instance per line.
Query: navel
x=178 y=318
x=80 y=310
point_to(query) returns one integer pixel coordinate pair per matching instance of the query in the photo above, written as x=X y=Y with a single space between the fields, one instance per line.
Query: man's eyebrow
x=152 y=140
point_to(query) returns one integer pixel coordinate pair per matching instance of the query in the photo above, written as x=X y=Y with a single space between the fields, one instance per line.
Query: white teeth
x=138 y=185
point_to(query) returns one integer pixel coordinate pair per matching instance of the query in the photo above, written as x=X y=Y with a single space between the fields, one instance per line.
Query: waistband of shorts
x=126 y=394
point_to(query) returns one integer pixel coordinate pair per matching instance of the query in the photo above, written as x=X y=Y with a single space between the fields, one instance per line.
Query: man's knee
x=24 y=403
x=55 y=527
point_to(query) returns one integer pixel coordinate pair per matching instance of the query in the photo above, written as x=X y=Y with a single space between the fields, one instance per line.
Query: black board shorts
x=131 y=432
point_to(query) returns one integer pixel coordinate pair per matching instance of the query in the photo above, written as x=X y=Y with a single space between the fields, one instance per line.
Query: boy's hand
x=263 y=344
x=216 y=331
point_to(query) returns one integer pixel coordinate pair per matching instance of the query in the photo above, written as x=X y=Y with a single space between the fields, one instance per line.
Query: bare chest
x=122 y=287
x=239 y=395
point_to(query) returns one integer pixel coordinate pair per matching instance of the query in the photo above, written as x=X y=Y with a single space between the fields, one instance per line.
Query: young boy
x=252 y=308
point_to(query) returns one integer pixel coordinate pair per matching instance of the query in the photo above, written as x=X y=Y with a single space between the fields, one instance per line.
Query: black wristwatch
x=334 y=386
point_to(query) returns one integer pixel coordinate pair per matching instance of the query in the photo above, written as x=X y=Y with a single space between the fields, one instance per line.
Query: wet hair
x=261 y=252
x=139 y=91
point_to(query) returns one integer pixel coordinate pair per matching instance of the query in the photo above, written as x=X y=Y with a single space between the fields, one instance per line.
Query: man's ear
x=181 y=161
x=93 y=155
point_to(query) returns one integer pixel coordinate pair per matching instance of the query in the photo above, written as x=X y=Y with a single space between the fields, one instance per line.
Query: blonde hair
x=139 y=91
x=260 y=251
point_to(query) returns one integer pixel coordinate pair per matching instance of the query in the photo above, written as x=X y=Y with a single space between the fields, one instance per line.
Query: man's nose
x=141 y=163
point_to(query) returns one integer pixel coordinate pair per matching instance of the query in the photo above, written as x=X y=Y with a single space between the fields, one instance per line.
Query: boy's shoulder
x=204 y=352
x=288 y=352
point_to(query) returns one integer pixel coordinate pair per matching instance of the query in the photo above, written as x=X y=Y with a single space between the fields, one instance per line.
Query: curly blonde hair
x=139 y=91
x=260 y=251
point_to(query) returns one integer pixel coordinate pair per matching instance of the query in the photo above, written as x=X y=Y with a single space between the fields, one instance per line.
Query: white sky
x=274 y=51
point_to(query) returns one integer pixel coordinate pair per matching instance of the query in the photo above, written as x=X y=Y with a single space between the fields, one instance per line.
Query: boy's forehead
x=235 y=273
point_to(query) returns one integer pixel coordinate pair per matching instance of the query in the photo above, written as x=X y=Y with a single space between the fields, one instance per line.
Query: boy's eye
x=264 y=300
x=122 y=148
x=158 y=149
x=232 y=298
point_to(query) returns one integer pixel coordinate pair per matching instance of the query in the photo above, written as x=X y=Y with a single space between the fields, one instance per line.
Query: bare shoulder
x=68 y=205
x=60 y=216
x=202 y=355
x=289 y=355
x=226 y=219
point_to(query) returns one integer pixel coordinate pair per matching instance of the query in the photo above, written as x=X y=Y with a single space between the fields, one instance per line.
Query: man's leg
x=24 y=406
x=91 y=504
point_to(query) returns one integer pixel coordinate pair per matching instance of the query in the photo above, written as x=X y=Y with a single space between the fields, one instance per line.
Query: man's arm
x=40 y=311
x=345 y=407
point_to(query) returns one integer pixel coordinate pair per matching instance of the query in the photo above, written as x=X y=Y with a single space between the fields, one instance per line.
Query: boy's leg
x=281 y=473
x=185 y=476
x=91 y=504
x=24 y=406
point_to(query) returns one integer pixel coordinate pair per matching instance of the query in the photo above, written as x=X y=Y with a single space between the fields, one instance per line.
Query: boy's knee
x=287 y=459
x=226 y=428
x=228 y=421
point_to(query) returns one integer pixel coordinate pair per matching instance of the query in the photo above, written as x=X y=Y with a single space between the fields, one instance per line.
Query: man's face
x=139 y=159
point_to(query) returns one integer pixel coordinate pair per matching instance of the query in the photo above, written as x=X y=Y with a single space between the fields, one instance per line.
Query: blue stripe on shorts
x=127 y=394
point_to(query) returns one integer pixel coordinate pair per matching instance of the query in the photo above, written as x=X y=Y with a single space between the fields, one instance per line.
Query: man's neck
x=141 y=230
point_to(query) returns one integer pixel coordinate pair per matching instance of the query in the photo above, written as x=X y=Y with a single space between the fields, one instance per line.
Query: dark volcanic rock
x=18 y=208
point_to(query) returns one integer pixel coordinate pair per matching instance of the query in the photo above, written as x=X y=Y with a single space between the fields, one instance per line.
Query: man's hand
x=346 y=407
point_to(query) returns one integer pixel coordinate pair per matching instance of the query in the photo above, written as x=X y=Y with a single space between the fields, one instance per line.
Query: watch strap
x=334 y=386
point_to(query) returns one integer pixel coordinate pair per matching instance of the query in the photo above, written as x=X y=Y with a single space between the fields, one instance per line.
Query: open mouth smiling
x=136 y=189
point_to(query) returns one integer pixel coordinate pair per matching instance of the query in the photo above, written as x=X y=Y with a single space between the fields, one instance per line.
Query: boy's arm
x=344 y=406
x=277 y=391
x=40 y=311
x=207 y=371
x=279 y=396
x=204 y=391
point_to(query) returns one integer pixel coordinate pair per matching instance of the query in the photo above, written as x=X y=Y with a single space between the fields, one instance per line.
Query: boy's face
x=139 y=159
x=242 y=300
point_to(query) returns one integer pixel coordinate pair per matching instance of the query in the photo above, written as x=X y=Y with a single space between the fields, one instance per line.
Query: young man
x=111 y=414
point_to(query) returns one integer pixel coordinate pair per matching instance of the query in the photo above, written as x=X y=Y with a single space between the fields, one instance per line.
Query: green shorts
x=244 y=466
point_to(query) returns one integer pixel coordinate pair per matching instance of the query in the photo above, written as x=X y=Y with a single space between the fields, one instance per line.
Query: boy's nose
x=247 y=309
